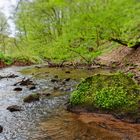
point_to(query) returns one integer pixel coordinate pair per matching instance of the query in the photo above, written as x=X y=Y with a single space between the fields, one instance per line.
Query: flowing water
x=48 y=118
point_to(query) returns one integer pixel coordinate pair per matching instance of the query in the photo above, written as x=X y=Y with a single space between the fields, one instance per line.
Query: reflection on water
x=67 y=126
x=76 y=74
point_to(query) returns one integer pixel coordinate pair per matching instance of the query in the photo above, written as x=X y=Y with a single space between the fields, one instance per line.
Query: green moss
x=31 y=98
x=114 y=91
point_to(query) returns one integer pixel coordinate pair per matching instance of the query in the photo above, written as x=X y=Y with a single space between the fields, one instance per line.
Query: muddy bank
x=121 y=56
x=4 y=64
x=124 y=59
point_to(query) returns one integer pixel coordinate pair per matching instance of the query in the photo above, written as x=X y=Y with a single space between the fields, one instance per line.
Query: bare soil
x=123 y=58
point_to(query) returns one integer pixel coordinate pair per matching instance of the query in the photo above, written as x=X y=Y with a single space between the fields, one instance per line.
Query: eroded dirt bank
x=123 y=58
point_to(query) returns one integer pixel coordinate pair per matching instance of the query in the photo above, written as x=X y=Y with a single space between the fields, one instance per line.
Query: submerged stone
x=54 y=80
x=1 y=129
x=31 y=98
x=18 y=89
x=68 y=72
x=14 y=108
x=31 y=87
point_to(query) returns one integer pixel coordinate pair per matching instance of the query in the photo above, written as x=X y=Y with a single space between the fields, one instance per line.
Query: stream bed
x=48 y=118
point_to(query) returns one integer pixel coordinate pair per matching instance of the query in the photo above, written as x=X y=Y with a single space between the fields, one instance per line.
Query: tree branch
x=135 y=46
x=80 y=55
x=119 y=41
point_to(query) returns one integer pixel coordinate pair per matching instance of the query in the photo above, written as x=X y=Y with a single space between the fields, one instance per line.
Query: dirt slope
x=123 y=58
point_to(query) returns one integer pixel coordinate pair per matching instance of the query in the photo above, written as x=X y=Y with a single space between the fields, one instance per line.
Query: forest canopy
x=67 y=29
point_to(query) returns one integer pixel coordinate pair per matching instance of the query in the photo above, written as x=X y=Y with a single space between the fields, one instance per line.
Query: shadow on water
x=48 y=118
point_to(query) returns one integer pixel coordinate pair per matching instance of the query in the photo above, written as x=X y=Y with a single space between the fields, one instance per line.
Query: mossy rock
x=31 y=98
x=113 y=92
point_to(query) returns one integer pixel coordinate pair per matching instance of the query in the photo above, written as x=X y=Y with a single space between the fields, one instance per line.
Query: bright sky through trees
x=6 y=6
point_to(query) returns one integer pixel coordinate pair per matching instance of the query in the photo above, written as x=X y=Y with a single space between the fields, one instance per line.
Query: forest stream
x=48 y=118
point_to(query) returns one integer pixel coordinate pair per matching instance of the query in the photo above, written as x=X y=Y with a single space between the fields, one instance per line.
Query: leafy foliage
x=114 y=97
x=66 y=30
x=1 y=55
x=6 y=59
x=116 y=91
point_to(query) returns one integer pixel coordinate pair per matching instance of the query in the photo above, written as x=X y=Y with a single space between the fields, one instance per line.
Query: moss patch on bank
x=19 y=60
x=116 y=93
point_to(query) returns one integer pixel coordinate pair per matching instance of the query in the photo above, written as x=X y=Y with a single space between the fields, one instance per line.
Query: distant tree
x=3 y=31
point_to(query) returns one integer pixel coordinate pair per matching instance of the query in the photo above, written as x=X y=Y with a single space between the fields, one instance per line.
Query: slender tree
x=3 y=31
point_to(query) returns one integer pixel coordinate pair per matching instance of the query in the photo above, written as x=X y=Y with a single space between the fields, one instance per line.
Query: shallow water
x=48 y=118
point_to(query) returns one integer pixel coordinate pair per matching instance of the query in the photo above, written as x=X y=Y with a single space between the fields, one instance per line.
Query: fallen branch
x=9 y=76
x=50 y=64
x=119 y=41
x=137 y=44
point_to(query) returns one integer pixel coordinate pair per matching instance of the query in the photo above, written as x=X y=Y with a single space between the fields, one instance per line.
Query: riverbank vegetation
x=77 y=31
x=113 y=93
